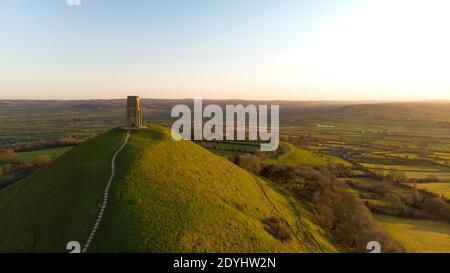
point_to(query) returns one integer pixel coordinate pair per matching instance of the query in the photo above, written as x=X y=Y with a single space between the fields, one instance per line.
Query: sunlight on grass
x=418 y=235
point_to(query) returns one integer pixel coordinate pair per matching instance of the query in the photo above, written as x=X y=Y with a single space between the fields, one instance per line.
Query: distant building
x=134 y=114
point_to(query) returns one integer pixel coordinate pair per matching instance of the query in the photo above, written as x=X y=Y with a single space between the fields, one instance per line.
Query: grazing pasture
x=407 y=168
x=441 y=189
x=418 y=235
x=53 y=153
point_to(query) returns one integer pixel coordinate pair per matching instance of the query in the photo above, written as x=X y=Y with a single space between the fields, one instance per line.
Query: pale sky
x=226 y=49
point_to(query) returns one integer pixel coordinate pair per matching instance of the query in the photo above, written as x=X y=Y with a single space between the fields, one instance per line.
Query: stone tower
x=134 y=114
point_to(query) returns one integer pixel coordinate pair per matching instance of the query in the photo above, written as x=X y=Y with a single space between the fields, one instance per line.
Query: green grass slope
x=167 y=196
x=289 y=154
x=58 y=203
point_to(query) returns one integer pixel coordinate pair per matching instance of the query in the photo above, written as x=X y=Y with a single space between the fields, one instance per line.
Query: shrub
x=355 y=226
x=344 y=216
x=7 y=155
x=431 y=178
x=250 y=163
x=396 y=177
x=381 y=188
x=436 y=207
x=340 y=170
x=6 y=168
x=279 y=173
x=396 y=205
x=276 y=227
x=42 y=160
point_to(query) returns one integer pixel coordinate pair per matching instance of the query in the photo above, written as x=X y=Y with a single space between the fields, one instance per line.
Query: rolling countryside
x=392 y=159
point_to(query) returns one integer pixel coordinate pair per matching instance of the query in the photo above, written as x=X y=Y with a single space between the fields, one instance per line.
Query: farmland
x=418 y=235
x=410 y=152
x=384 y=154
x=53 y=153
x=442 y=189
x=24 y=163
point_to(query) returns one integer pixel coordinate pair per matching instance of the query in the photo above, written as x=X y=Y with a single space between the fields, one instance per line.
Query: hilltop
x=167 y=196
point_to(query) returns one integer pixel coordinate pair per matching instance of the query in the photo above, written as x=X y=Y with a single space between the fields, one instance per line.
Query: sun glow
x=384 y=47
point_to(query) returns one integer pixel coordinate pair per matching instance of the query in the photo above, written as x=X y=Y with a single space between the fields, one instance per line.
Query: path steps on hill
x=106 y=193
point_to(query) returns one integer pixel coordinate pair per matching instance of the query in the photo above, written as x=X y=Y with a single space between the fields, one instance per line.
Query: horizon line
x=235 y=99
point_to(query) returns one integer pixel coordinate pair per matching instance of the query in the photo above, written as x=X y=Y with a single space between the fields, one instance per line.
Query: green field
x=412 y=171
x=230 y=149
x=404 y=155
x=337 y=160
x=444 y=156
x=441 y=189
x=442 y=176
x=53 y=153
x=406 y=168
x=418 y=235
x=167 y=197
x=290 y=154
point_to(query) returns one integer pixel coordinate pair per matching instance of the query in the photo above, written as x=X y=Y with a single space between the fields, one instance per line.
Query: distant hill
x=167 y=197
x=389 y=112
x=92 y=106
x=158 y=110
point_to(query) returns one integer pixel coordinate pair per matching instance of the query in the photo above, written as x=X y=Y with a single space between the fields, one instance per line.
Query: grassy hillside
x=167 y=197
x=59 y=203
x=289 y=154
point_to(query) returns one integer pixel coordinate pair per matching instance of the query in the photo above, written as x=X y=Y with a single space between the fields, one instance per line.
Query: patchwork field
x=406 y=168
x=433 y=172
